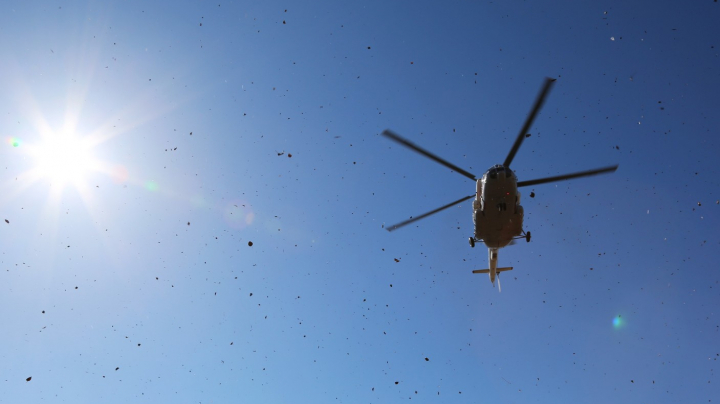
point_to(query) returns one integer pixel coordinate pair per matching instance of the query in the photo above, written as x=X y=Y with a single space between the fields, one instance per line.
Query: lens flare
x=14 y=142
x=617 y=322
x=151 y=186
x=238 y=214
x=120 y=174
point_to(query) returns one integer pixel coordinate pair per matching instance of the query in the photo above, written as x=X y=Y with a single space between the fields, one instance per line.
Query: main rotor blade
x=568 y=176
x=394 y=136
x=423 y=216
x=528 y=122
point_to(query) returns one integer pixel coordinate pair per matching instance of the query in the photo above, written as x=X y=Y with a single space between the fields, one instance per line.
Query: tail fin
x=504 y=269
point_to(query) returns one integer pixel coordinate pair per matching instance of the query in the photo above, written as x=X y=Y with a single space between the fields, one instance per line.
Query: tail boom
x=493 y=271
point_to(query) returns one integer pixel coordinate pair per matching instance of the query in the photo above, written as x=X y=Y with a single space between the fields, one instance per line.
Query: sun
x=64 y=159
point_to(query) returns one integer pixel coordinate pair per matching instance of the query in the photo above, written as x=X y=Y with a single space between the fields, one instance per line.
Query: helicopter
x=497 y=213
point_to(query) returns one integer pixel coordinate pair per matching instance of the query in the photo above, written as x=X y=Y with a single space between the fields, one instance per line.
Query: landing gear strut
x=472 y=242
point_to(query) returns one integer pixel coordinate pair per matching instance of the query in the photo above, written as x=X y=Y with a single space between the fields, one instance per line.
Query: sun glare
x=64 y=159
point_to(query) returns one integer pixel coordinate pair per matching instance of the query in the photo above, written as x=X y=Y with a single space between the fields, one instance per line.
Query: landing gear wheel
x=472 y=242
x=527 y=237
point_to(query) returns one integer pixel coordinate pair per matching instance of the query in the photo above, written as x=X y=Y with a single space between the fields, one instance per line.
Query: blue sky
x=211 y=125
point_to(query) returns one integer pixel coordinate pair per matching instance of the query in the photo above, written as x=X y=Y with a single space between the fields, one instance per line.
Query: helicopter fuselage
x=497 y=213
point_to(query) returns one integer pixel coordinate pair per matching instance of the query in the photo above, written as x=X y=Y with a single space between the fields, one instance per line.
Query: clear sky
x=147 y=144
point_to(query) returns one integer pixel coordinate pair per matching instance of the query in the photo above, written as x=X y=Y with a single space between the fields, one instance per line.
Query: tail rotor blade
x=432 y=212
x=394 y=136
x=529 y=121
x=568 y=176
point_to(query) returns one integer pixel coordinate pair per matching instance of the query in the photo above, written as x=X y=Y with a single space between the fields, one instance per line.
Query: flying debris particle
x=617 y=147
x=699 y=204
x=7 y=221
x=283 y=21
x=532 y=194
x=397 y=382
x=250 y=243
x=188 y=223
x=190 y=133
x=289 y=155
x=427 y=359
x=391 y=285
x=396 y=260
x=117 y=368
x=29 y=378
x=231 y=343
x=250 y=294
x=612 y=38
x=138 y=344
x=281 y=153
x=527 y=135
x=368 y=47
x=43 y=312
x=76 y=287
